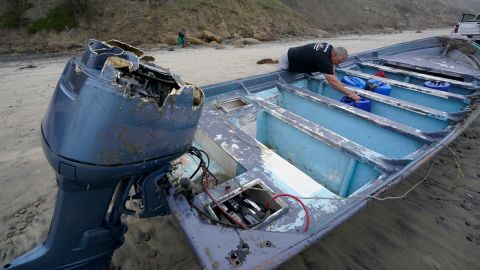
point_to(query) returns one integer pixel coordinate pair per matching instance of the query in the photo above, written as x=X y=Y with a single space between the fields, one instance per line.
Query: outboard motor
x=114 y=124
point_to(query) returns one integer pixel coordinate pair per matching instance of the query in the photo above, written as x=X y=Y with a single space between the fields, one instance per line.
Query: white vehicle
x=468 y=26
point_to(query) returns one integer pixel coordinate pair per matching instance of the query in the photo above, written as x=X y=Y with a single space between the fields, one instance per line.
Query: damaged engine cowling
x=120 y=110
x=114 y=124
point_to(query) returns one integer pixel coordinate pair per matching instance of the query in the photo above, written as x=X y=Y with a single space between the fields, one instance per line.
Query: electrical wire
x=206 y=173
x=307 y=216
x=199 y=154
x=210 y=217
x=267 y=206
x=204 y=167
x=240 y=224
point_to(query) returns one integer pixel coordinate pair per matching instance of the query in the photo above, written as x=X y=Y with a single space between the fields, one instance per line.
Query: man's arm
x=335 y=83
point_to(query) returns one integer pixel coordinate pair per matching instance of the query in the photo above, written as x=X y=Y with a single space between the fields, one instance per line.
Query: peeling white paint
x=290 y=179
x=224 y=145
x=299 y=221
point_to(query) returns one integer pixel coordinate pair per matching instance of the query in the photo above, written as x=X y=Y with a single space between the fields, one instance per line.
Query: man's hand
x=335 y=83
x=354 y=96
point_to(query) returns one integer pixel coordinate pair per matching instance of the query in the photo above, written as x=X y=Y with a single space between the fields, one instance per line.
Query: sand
x=437 y=226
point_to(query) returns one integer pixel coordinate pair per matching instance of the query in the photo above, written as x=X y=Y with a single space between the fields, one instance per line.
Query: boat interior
x=287 y=133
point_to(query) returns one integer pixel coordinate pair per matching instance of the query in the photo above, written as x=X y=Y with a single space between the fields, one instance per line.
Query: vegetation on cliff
x=53 y=25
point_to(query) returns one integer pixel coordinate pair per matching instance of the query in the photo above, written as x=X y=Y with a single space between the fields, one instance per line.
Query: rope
x=455 y=158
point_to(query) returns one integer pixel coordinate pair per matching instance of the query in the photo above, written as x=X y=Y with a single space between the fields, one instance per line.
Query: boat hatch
x=250 y=194
x=232 y=104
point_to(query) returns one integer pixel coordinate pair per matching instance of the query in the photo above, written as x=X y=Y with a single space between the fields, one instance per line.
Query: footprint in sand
x=18 y=234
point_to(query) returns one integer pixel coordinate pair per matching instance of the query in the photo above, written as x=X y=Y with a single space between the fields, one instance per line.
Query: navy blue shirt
x=313 y=57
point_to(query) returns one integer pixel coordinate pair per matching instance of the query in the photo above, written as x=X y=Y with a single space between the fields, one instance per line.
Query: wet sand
x=437 y=226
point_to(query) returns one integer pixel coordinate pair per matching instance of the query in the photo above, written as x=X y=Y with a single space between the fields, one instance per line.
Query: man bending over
x=317 y=57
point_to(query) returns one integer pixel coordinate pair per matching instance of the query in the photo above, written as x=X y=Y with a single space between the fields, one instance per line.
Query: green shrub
x=13 y=17
x=58 y=19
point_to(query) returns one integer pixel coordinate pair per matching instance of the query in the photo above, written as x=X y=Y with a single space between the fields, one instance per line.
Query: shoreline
x=153 y=47
x=428 y=229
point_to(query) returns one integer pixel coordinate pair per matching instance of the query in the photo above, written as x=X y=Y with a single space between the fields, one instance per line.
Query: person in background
x=317 y=57
x=182 y=39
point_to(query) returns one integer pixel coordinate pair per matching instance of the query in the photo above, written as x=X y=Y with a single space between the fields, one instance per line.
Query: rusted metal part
x=125 y=46
x=378 y=120
x=427 y=77
x=147 y=58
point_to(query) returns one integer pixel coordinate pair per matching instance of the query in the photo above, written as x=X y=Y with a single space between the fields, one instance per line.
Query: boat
x=277 y=160
x=288 y=133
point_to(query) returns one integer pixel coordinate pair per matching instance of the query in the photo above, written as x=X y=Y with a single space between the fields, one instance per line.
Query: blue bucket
x=363 y=104
x=354 y=82
x=380 y=87
x=437 y=85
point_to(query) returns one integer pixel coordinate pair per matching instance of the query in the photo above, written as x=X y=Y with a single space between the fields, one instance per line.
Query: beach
x=436 y=226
